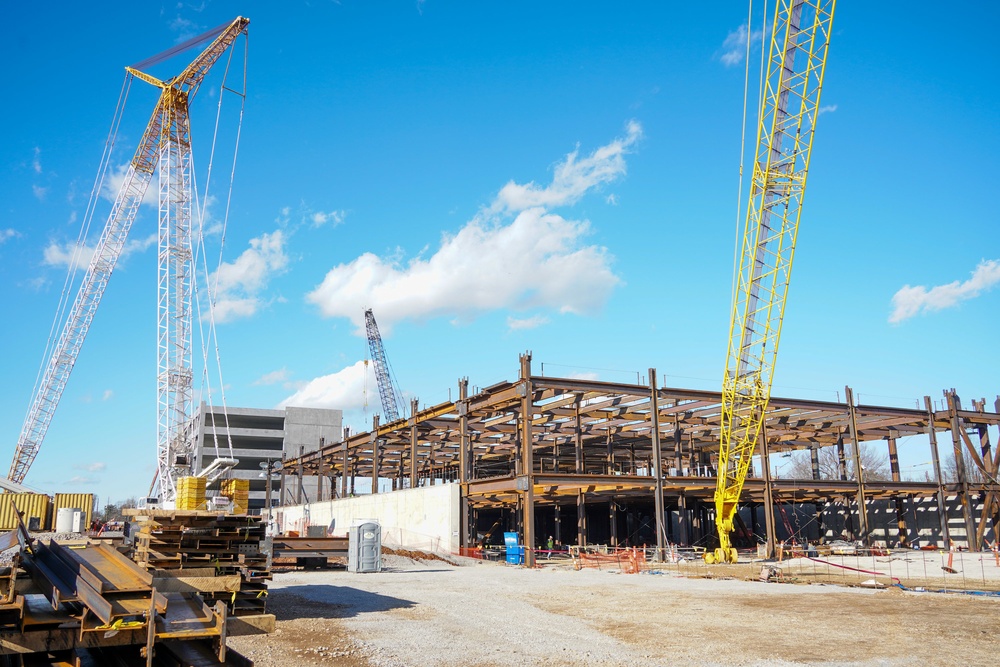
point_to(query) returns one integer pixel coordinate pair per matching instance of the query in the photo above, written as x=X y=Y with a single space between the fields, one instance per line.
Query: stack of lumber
x=238 y=491
x=228 y=543
x=191 y=493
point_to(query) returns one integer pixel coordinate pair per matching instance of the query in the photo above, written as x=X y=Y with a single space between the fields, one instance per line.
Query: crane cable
x=88 y=216
x=212 y=336
x=743 y=129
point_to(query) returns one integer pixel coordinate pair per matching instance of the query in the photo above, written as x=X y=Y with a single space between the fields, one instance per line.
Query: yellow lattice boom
x=787 y=121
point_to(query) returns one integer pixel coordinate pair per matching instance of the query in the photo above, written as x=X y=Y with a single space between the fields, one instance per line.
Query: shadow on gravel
x=324 y=601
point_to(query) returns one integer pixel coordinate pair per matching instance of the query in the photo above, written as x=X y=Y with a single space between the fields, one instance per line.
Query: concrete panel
x=426 y=518
x=304 y=427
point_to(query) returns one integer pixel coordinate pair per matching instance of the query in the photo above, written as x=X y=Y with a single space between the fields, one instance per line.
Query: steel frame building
x=547 y=447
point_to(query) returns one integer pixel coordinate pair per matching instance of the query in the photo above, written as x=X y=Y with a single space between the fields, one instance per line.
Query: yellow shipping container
x=37 y=506
x=80 y=501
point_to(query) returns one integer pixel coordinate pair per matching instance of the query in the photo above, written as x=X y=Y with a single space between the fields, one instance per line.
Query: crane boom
x=790 y=105
x=386 y=392
x=165 y=134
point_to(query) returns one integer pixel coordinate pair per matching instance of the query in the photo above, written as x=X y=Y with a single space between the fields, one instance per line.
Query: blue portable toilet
x=515 y=552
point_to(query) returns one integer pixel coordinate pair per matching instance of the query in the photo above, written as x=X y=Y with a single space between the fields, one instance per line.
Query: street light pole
x=270 y=466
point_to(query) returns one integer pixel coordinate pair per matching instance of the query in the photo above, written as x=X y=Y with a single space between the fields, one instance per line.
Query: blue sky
x=499 y=177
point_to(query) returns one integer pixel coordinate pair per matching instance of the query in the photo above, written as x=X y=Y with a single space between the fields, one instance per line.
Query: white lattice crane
x=165 y=145
x=388 y=394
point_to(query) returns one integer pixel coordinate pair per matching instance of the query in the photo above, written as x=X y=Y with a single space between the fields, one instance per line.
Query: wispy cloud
x=320 y=218
x=82 y=480
x=734 y=46
x=36 y=162
x=573 y=177
x=67 y=255
x=238 y=284
x=107 y=395
x=7 y=234
x=39 y=192
x=115 y=180
x=343 y=390
x=910 y=301
x=97 y=466
x=515 y=253
x=515 y=324
x=827 y=108
x=70 y=254
x=274 y=377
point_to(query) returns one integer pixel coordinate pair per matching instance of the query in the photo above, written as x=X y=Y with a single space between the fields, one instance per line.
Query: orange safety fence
x=629 y=561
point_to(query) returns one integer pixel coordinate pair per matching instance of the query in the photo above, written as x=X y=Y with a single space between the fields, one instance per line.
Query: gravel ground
x=434 y=613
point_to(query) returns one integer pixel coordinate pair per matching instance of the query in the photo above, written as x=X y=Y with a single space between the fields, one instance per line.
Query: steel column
x=527 y=461
x=897 y=499
x=765 y=465
x=413 y=444
x=858 y=470
x=954 y=405
x=654 y=411
x=936 y=460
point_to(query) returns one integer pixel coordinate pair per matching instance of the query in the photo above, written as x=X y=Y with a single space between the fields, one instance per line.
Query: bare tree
x=973 y=475
x=874 y=464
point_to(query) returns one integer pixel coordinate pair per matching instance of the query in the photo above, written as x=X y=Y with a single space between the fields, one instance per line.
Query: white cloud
x=734 y=46
x=67 y=255
x=320 y=218
x=536 y=260
x=139 y=245
x=587 y=375
x=36 y=162
x=97 y=466
x=237 y=284
x=108 y=394
x=39 y=192
x=7 y=234
x=573 y=177
x=343 y=390
x=827 y=108
x=81 y=479
x=115 y=180
x=527 y=323
x=612 y=199
x=274 y=377
x=910 y=301
x=80 y=256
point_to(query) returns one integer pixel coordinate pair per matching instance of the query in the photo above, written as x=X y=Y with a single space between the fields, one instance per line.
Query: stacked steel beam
x=86 y=603
x=174 y=540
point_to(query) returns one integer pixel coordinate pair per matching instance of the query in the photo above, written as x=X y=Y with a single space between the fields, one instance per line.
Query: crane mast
x=165 y=144
x=386 y=391
x=790 y=105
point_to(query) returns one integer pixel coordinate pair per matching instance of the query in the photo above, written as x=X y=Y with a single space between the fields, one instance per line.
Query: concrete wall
x=425 y=518
x=303 y=429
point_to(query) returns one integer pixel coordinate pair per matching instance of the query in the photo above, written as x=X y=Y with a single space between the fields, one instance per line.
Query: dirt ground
x=434 y=613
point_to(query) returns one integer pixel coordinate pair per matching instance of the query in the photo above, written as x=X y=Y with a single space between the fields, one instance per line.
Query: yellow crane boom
x=790 y=105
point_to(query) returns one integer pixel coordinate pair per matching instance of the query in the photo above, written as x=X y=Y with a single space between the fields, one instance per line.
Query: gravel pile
x=7 y=557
